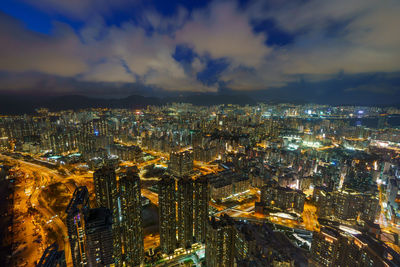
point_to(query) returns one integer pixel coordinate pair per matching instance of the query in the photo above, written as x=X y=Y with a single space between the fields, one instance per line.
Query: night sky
x=342 y=51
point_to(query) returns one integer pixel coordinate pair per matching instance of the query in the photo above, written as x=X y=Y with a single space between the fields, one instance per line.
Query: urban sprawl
x=185 y=185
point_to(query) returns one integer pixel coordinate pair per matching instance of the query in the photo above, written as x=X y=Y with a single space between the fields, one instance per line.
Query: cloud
x=22 y=50
x=302 y=16
x=152 y=20
x=81 y=9
x=375 y=88
x=222 y=31
x=327 y=38
x=245 y=79
x=101 y=53
x=331 y=36
x=168 y=81
x=149 y=57
x=34 y=81
x=110 y=71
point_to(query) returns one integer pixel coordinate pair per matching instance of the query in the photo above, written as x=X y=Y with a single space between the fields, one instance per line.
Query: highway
x=36 y=179
x=385 y=225
x=153 y=197
x=310 y=218
x=41 y=177
x=245 y=210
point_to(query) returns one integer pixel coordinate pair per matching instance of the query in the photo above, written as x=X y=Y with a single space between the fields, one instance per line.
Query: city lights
x=199 y=133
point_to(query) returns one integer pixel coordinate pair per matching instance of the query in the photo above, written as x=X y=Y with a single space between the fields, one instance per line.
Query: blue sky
x=294 y=50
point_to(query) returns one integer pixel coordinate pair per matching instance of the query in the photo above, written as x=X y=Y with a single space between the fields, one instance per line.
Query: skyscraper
x=285 y=198
x=105 y=186
x=348 y=204
x=180 y=163
x=131 y=219
x=96 y=126
x=99 y=237
x=382 y=121
x=219 y=243
x=52 y=257
x=185 y=211
x=233 y=242
x=167 y=214
x=345 y=246
x=76 y=212
x=200 y=208
x=325 y=248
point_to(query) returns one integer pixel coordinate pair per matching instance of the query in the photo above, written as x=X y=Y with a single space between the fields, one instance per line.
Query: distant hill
x=14 y=105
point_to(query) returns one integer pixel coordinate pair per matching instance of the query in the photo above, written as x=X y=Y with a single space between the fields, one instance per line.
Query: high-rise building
x=180 y=163
x=185 y=211
x=344 y=246
x=233 y=242
x=76 y=212
x=347 y=204
x=324 y=201
x=131 y=231
x=392 y=191
x=200 y=208
x=258 y=245
x=382 y=121
x=220 y=243
x=325 y=248
x=52 y=257
x=97 y=127
x=99 y=237
x=364 y=250
x=283 y=198
x=105 y=186
x=167 y=214
x=370 y=208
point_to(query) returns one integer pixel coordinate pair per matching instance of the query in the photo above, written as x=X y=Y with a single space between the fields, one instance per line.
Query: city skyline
x=217 y=185
x=215 y=133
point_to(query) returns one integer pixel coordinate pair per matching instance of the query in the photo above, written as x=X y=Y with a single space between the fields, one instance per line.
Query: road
x=25 y=228
x=245 y=209
x=40 y=177
x=37 y=178
x=53 y=221
x=153 y=197
x=151 y=241
x=310 y=218
x=386 y=226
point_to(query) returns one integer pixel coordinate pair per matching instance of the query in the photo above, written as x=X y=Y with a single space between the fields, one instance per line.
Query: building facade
x=167 y=214
x=99 y=237
x=76 y=211
x=185 y=211
x=131 y=219
x=105 y=186
x=200 y=208
x=180 y=163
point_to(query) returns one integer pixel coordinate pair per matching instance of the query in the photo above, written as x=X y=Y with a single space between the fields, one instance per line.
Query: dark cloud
x=82 y=9
x=22 y=50
x=355 y=89
x=262 y=45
